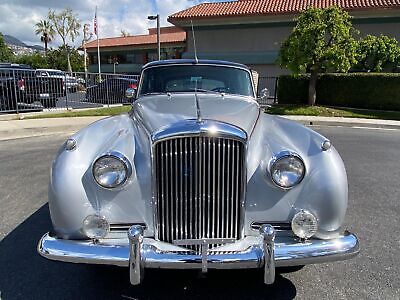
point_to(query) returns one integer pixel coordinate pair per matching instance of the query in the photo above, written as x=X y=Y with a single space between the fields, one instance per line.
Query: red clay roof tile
x=138 y=40
x=274 y=7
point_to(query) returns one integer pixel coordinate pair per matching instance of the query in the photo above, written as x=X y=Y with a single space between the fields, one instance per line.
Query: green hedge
x=357 y=90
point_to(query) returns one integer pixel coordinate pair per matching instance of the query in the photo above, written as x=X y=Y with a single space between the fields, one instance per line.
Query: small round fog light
x=95 y=227
x=304 y=224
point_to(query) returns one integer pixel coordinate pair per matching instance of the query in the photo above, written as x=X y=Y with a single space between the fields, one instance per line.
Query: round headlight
x=111 y=170
x=287 y=170
x=95 y=227
x=304 y=224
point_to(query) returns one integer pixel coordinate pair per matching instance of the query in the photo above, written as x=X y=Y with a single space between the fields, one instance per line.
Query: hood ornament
x=196 y=97
x=199 y=119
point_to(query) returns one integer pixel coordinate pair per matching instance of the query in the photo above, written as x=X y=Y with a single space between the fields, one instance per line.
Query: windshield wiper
x=153 y=93
x=195 y=90
x=204 y=91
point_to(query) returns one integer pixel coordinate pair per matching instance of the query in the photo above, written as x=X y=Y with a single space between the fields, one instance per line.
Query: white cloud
x=17 y=17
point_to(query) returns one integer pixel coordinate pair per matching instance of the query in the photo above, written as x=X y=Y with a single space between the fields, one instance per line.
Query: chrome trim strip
x=223 y=189
x=125 y=226
x=205 y=127
x=203 y=241
x=288 y=252
x=208 y=189
x=256 y=225
x=215 y=180
x=122 y=158
x=280 y=155
x=237 y=215
x=177 y=227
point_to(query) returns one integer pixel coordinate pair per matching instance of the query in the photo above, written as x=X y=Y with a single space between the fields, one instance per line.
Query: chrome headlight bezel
x=304 y=231
x=119 y=158
x=95 y=227
x=282 y=156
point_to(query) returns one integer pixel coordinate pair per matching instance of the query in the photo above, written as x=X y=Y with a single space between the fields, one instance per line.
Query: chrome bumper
x=265 y=251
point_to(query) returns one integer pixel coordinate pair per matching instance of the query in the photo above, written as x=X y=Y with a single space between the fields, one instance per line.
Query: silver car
x=196 y=176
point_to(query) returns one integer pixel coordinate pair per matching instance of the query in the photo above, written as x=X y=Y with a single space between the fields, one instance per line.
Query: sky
x=18 y=17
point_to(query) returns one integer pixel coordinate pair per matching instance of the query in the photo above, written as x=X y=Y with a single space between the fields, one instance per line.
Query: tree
x=55 y=59
x=377 y=53
x=125 y=33
x=46 y=31
x=67 y=25
x=321 y=41
x=35 y=60
x=6 y=54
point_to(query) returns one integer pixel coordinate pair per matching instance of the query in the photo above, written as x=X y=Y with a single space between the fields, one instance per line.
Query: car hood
x=161 y=111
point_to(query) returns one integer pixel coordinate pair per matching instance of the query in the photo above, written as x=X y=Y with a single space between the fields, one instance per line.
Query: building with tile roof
x=252 y=31
x=132 y=52
x=242 y=8
x=245 y=31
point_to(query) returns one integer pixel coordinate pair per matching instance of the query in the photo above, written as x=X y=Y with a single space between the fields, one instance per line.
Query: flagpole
x=98 y=44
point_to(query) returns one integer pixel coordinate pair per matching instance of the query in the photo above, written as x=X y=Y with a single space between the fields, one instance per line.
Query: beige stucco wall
x=389 y=29
x=252 y=41
x=238 y=39
x=269 y=70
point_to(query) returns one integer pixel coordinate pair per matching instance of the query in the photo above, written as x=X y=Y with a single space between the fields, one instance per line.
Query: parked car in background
x=70 y=82
x=196 y=176
x=22 y=87
x=11 y=85
x=110 y=90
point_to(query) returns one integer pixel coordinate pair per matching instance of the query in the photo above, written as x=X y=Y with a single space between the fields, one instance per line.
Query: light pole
x=157 y=17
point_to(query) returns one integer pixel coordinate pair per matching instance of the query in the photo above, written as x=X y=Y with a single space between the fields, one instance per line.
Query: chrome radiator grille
x=199 y=183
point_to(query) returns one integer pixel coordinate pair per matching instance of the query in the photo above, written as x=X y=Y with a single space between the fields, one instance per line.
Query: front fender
x=323 y=191
x=73 y=192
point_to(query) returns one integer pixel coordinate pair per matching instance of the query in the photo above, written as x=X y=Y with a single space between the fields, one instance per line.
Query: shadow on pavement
x=24 y=274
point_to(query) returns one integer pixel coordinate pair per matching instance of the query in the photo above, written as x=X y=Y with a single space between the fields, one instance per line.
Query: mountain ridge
x=12 y=40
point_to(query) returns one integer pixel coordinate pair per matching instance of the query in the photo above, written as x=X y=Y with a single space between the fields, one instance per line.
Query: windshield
x=188 y=78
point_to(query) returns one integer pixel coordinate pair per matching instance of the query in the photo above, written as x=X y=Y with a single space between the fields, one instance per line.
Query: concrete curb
x=23 y=115
x=14 y=129
x=345 y=122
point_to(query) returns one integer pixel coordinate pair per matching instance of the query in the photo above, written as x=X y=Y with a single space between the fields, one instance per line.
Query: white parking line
x=356 y=127
x=374 y=128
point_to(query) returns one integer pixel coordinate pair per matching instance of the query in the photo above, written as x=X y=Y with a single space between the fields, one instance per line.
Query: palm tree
x=46 y=31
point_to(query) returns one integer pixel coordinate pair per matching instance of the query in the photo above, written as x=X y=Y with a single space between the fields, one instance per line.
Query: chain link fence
x=26 y=90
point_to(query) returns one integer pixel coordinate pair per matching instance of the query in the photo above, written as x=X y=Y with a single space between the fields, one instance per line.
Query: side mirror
x=130 y=93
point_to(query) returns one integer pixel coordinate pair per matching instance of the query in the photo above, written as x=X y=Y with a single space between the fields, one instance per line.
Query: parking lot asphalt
x=370 y=155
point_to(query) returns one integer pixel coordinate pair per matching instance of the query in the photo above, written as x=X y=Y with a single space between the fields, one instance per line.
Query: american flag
x=95 y=22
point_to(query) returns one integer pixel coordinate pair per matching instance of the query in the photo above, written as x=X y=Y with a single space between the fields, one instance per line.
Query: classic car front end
x=196 y=176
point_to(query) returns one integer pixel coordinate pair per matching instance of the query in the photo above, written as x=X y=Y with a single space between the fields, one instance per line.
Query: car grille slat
x=176 y=173
x=199 y=187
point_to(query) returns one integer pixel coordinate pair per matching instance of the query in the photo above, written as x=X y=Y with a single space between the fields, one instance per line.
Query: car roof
x=50 y=70
x=194 y=62
x=123 y=78
x=15 y=66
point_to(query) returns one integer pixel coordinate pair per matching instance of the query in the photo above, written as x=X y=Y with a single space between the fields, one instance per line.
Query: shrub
x=357 y=90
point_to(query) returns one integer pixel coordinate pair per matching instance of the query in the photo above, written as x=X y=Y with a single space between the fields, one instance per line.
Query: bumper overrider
x=265 y=251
